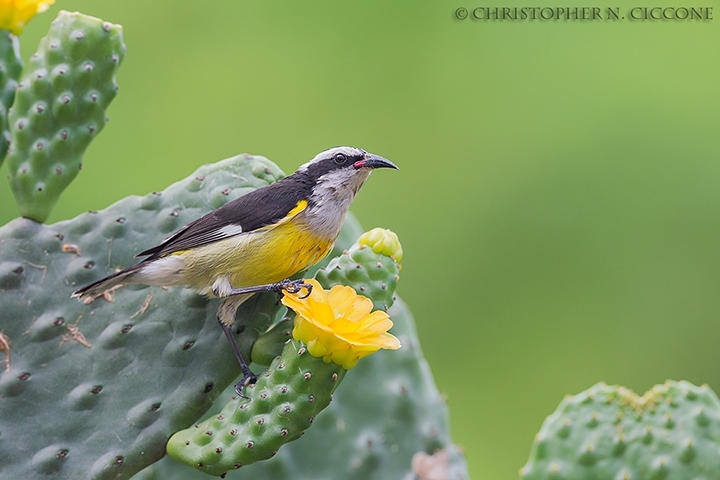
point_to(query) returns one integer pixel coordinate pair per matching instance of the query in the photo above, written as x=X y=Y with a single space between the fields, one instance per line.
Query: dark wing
x=259 y=208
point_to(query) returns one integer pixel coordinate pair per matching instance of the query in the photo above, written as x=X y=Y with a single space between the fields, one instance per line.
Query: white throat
x=332 y=197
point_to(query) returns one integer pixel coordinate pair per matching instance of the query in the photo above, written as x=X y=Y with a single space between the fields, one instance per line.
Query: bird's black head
x=344 y=163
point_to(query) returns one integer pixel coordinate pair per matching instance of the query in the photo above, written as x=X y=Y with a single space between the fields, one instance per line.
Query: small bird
x=256 y=242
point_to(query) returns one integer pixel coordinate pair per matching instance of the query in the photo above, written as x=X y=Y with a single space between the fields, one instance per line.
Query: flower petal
x=341 y=298
x=339 y=325
x=14 y=14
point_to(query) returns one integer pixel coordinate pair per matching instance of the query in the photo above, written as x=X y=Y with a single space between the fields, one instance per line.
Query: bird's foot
x=294 y=286
x=248 y=379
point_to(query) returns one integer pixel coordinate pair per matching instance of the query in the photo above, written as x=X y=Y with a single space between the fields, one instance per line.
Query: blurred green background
x=558 y=196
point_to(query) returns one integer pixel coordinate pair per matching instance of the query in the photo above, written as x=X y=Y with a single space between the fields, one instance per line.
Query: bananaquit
x=255 y=242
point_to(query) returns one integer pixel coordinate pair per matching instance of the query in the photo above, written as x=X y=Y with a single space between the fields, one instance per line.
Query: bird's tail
x=117 y=279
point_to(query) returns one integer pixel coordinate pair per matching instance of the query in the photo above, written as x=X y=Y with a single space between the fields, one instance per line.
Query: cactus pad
x=271 y=343
x=670 y=433
x=281 y=406
x=371 y=273
x=10 y=69
x=386 y=421
x=94 y=391
x=60 y=107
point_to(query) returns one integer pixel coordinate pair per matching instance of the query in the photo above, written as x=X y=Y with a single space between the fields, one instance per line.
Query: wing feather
x=257 y=209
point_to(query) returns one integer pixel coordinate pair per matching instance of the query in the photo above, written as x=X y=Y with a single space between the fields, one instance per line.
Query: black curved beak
x=375 y=161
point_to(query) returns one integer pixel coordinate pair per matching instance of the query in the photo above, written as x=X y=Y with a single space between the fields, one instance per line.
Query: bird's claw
x=248 y=379
x=294 y=286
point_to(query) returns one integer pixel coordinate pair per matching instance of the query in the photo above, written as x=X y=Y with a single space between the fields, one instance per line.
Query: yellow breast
x=266 y=255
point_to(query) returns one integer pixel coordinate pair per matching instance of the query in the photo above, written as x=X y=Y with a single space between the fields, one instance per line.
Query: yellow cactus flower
x=337 y=325
x=14 y=14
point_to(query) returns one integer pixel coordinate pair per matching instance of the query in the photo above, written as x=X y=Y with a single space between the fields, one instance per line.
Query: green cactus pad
x=281 y=406
x=60 y=107
x=271 y=343
x=94 y=391
x=386 y=421
x=372 y=274
x=672 y=432
x=10 y=70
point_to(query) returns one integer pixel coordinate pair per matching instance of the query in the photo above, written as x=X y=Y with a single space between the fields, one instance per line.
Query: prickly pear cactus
x=94 y=391
x=290 y=394
x=10 y=69
x=406 y=439
x=672 y=432
x=60 y=107
x=387 y=420
x=281 y=406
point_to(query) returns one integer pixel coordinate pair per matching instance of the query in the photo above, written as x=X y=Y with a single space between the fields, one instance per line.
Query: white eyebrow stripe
x=349 y=151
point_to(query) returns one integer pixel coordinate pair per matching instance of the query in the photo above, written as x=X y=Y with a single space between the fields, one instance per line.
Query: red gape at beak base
x=374 y=161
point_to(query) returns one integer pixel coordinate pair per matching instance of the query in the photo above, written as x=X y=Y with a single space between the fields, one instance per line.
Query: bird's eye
x=340 y=158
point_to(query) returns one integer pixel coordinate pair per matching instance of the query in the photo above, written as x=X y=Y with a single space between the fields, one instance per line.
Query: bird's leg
x=226 y=318
x=249 y=377
x=291 y=286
